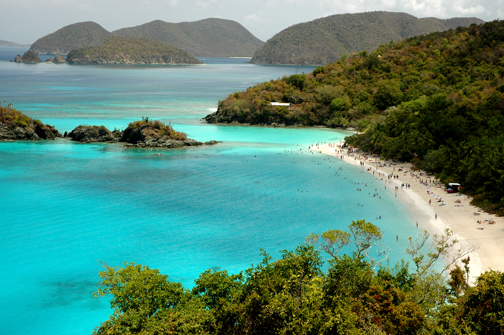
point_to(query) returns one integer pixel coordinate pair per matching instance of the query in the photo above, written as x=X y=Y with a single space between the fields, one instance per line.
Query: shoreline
x=453 y=211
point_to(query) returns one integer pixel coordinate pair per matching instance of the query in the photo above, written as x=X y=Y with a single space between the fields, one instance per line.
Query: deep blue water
x=66 y=207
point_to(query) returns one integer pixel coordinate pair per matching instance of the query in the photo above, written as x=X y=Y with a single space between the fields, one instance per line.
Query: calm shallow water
x=66 y=206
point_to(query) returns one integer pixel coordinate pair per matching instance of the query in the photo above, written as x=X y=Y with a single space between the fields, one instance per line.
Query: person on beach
x=436 y=216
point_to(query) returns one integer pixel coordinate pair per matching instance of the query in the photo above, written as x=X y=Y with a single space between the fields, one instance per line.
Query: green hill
x=120 y=50
x=325 y=40
x=75 y=36
x=206 y=38
x=436 y=100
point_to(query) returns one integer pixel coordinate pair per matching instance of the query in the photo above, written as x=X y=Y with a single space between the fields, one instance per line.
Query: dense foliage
x=206 y=38
x=295 y=295
x=436 y=99
x=326 y=39
x=75 y=36
x=131 y=51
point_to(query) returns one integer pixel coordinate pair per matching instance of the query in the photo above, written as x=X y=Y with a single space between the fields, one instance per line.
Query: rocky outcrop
x=89 y=134
x=17 y=134
x=156 y=135
x=28 y=57
x=59 y=60
x=139 y=134
x=10 y=132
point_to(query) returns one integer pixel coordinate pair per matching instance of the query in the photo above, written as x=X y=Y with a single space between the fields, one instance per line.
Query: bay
x=67 y=207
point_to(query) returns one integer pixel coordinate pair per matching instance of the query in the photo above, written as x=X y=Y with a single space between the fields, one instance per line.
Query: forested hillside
x=296 y=295
x=207 y=38
x=72 y=37
x=325 y=40
x=120 y=50
x=436 y=100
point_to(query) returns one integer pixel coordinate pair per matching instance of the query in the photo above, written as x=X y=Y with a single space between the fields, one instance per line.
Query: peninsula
x=435 y=100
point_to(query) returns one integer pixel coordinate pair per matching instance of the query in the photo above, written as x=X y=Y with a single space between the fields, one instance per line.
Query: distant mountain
x=325 y=40
x=75 y=36
x=12 y=44
x=206 y=38
x=121 y=50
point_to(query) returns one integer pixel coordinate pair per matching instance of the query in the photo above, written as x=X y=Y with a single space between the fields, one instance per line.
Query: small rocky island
x=15 y=126
x=28 y=57
x=139 y=134
x=120 y=50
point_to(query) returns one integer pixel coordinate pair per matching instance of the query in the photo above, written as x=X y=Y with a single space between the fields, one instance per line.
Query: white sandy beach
x=454 y=213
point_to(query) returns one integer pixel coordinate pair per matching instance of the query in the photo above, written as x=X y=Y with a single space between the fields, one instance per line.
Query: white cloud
x=254 y=18
x=461 y=7
x=421 y=8
x=388 y=3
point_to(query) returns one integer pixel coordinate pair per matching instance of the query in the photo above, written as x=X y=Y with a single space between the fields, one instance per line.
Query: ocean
x=66 y=207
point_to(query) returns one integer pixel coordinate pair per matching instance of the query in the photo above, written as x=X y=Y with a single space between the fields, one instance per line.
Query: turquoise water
x=66 y=207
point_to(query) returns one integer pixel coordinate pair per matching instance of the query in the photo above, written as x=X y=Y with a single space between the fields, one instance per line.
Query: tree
x=144 y=300
x=364 y=236
x=482 y=306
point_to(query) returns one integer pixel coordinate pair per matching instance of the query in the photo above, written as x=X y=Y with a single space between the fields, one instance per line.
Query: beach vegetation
x=434 y=99
x=298 y=294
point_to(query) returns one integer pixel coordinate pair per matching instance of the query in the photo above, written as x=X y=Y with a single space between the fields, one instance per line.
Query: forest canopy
x=295 y=294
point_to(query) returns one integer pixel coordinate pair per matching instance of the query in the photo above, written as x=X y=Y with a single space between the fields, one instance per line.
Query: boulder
x=92 y=134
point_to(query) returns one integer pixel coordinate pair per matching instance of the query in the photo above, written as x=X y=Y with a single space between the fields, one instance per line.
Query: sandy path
x=457 y=216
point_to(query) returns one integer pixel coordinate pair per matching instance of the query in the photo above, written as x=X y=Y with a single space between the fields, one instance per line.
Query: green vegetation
x=295 y=295
x=206 y=38
x=28 y=57
x=435 y=100
x=10 y=116
x=72 y=37
x=120 y=50
x=141 y=130
x=325 y=40
x=16 y=125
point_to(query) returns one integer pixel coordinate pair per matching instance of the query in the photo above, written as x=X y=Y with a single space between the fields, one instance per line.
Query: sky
x=25 y=21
